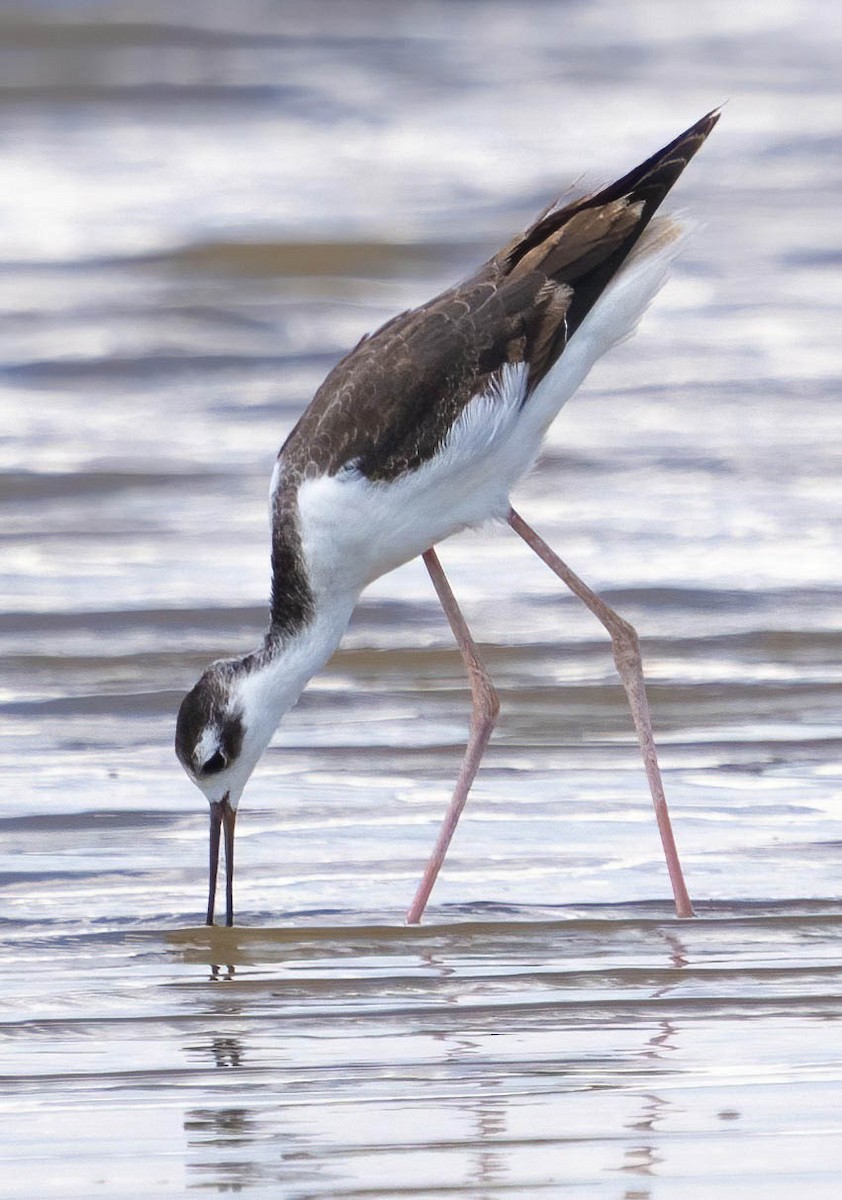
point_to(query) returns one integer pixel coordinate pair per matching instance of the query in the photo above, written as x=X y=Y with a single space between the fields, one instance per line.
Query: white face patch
x=207 y=745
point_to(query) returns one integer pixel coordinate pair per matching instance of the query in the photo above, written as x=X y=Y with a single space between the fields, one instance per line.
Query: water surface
x=197 y=217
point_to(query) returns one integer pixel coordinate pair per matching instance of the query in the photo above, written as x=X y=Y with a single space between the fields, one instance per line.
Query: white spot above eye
x=206 y=747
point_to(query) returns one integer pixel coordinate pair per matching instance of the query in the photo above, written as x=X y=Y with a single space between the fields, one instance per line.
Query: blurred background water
x=202 y=206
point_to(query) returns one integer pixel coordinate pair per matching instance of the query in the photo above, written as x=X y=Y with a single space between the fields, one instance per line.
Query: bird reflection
x=220 y=974
x=227 y=1052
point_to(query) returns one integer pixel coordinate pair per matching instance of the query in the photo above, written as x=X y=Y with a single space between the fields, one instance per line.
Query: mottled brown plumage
x=387 y=406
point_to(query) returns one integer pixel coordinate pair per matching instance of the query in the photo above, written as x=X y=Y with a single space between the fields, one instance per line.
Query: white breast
x=354 y=530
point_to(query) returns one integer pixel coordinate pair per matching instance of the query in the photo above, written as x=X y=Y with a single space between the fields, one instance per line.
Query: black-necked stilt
x=422 y=430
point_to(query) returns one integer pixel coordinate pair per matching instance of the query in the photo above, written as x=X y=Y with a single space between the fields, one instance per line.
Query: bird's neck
x=280 y=670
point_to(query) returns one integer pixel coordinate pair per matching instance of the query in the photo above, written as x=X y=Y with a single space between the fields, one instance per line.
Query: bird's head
x=227 y=720
x=210 y=733
x=219 y=739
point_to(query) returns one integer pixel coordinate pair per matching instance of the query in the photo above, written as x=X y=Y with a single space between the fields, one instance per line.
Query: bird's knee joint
x=623 y=632
x=486 y=700
x=625 y=641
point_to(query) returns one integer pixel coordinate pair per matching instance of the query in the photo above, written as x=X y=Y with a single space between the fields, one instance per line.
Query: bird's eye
x=216 y=763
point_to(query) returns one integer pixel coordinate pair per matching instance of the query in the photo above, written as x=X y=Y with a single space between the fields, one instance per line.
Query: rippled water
x=197 y=216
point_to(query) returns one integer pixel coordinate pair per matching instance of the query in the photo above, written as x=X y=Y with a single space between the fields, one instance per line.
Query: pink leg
x=627 y=657
x=484 y=709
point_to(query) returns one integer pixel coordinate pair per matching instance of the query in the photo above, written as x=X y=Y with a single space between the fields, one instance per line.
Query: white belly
x=354 y=530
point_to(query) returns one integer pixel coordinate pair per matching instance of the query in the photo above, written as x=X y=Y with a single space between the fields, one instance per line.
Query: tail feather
x=579 y=248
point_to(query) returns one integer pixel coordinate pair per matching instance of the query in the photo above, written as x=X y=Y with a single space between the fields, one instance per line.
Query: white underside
x=354 y=530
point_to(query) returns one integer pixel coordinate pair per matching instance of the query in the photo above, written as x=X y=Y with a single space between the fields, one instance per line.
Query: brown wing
x=388 y=405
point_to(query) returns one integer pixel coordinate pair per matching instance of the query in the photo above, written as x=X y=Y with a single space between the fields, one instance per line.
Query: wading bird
x=421 y=431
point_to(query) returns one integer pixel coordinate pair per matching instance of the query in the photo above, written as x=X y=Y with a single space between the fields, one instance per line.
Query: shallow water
x=196 y=219
x=499 y=1051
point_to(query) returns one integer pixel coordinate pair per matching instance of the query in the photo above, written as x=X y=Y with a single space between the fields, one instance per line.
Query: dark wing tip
x=688 y=143
x=648 y=182
x=659 y=172
x=584 y=244
x=704 y=125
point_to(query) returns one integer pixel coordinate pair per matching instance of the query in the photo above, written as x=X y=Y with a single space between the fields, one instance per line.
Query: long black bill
x=223 y=816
